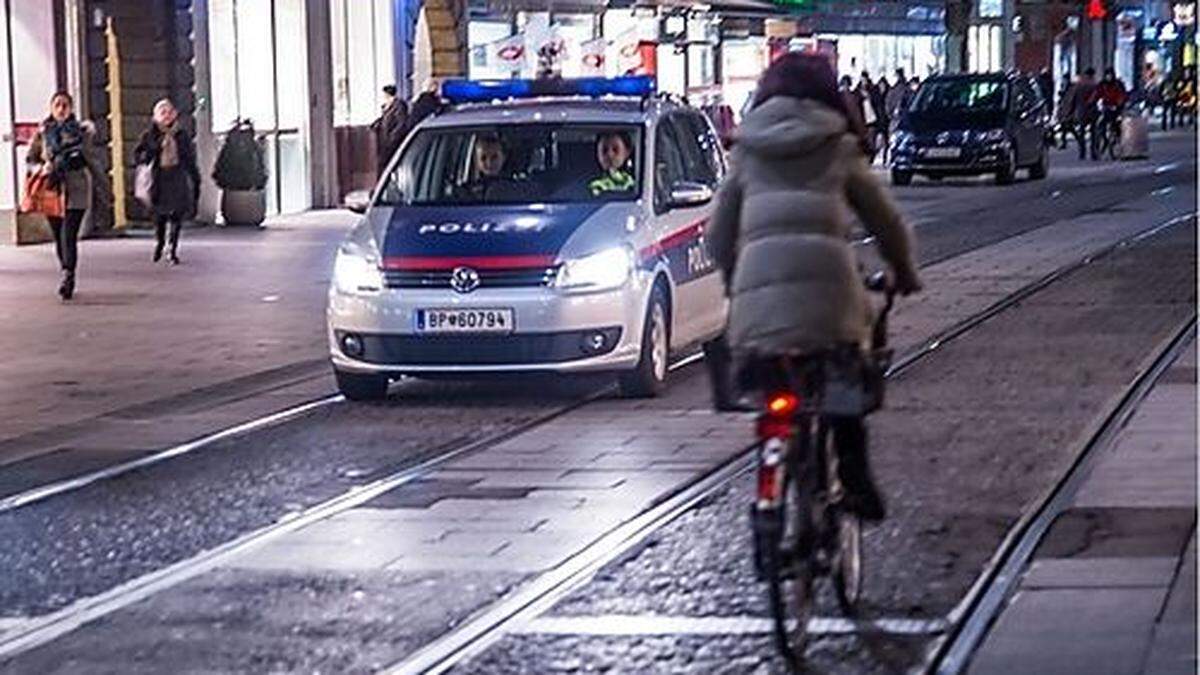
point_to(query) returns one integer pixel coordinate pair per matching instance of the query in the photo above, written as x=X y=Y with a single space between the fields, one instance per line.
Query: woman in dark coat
x=176 y=188
x=780 y=234
x=64 y=148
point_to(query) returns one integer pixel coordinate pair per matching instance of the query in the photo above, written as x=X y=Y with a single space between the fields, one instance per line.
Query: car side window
x=1034 y=94
x=668 y=163
x=697 y=163
x=700 y=149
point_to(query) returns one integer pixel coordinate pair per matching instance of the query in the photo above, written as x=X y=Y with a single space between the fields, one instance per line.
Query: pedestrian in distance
x=899 y=96
x=1062 y=116
x=780 y=233
x=428 y=103
x=883 y=117
x=63 y=152
x=169 y=151
x=852 y=102
x=1080 y=111
x=389 y=128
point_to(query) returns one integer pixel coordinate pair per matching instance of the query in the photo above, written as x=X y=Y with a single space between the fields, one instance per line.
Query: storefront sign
x=991 y=9
x=1184 y=14
x=591 y=53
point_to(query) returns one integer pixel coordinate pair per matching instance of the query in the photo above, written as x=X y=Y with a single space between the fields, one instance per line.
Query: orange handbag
x=41 y=197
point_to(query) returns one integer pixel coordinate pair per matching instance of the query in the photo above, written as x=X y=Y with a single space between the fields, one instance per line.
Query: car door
x=704 y=163
x=677 y=230
x=1026 y=113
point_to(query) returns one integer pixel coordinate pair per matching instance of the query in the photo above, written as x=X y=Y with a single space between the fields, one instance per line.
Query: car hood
x=438 y=237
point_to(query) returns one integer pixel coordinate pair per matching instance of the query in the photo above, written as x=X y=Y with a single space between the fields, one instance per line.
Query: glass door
x=259 y=66
x=9 y=175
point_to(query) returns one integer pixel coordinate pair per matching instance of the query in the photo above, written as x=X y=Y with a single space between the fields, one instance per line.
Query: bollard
x=1135 y=137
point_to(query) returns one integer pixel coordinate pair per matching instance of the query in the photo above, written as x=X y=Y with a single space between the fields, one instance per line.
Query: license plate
x=464 y=320
x=943 y=153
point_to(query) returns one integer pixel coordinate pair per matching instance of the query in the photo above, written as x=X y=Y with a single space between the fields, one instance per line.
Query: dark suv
x=972 y=124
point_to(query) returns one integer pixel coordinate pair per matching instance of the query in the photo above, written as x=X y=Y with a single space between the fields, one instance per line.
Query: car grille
x=479 y=350
x=514 y=278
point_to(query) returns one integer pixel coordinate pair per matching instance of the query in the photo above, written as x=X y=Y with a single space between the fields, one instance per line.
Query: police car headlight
x=355 y=273
x=604 y=271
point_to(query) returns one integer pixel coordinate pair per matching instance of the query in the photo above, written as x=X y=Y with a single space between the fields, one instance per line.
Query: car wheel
x=359 y=387
x=1039 y=170
x=650 y=375
x=1008 y=174
x=901 y=177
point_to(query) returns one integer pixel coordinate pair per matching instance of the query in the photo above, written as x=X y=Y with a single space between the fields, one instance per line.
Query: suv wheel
x=1038 y=171
x=1008 y=174
x=650 y=375
x=901 y=177
x=359 y=387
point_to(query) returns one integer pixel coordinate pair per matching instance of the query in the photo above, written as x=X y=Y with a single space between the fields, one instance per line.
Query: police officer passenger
x=613 y=150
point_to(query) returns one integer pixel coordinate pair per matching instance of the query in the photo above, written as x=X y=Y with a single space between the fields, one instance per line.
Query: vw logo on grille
x=943 y=137
x=464 y=279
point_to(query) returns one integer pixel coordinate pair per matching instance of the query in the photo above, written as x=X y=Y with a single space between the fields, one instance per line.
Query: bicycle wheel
x=790 y=585
x=1114 y=143
x=847 y=570
x=846 y=558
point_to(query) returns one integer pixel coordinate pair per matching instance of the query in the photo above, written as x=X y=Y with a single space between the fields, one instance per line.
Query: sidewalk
x=149 y=355
x=1112 y=587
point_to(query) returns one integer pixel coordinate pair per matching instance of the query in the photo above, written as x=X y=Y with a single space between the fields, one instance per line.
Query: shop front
x=258 y=64
x=32 y=68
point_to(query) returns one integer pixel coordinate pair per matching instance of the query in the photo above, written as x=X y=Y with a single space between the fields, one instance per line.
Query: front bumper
x=974 y=159
x=551 y=331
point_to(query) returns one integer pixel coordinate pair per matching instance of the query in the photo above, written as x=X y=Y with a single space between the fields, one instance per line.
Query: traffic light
x=1096 y=10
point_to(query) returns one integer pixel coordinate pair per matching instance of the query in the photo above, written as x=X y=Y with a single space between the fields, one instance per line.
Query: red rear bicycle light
x=770 y=474
x=770 y=426
x=783 y=403
x=770 y=485
x=776 y=422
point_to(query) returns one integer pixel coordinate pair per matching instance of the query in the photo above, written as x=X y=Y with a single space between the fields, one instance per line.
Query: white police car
x=535 y=226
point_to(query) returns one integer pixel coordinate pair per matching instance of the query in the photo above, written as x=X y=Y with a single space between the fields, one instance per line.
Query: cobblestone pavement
x=971 y=435
x=969 y=438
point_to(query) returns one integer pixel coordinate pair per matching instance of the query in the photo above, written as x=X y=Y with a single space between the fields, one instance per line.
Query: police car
x=534 y=226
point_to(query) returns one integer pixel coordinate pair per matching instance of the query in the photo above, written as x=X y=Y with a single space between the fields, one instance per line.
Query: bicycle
x=1108 y=132
x=802 y=529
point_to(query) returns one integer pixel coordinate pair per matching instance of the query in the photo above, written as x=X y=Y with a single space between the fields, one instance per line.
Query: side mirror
x=686 y=194
x=358 y=201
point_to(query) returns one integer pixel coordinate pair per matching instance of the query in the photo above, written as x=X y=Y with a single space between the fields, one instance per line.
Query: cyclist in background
x=780 y=235
x=1109 y=99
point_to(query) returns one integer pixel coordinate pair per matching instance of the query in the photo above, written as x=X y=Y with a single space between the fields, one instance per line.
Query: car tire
x=1039 y=170
x=360 y=387
x=649 y=377
x=1008 y=174
x=901 y=177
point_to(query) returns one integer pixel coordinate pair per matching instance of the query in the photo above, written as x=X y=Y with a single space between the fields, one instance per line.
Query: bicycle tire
x=790 y=578
x=846 y=556
x=847 y=570
x=1114 y=145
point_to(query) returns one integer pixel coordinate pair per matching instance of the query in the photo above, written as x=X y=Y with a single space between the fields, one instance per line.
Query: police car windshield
x=961 y=96
x=517 y=164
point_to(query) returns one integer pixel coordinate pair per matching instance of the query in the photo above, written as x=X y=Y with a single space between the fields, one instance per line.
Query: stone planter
x=244 y=207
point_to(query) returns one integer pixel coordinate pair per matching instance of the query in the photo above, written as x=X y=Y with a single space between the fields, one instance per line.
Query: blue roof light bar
x=482 y=91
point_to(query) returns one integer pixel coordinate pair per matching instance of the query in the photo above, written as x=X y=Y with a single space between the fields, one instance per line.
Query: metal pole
x=12 y=113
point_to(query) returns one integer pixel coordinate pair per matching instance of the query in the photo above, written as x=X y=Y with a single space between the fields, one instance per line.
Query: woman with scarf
x=62 y=149
x=170 y=152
